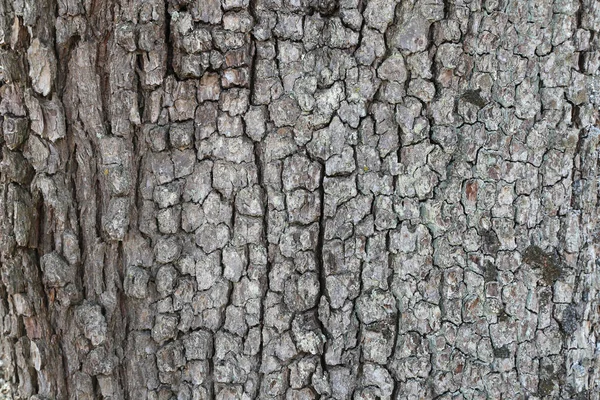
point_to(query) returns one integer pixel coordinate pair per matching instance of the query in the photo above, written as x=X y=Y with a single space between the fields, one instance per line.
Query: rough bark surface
x=300 y=199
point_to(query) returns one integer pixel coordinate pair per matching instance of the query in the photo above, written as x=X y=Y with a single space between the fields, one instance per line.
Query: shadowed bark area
x=299 y=199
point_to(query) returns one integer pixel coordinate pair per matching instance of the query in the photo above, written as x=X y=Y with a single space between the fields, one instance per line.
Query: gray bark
x=300 y=199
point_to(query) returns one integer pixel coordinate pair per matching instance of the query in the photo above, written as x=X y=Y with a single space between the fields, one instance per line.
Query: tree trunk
x=300 y=199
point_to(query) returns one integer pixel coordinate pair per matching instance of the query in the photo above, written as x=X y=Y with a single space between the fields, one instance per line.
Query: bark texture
x=300 y=199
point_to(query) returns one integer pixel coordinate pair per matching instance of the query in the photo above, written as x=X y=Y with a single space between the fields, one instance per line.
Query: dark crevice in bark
x=252 y=9
x=320 y=261
x=99 y=204
x=265 y=227
x=138 y=85
x=258 y=160
x=63 y=54
x=211 y=382
x=102 y=60
x=168 y=41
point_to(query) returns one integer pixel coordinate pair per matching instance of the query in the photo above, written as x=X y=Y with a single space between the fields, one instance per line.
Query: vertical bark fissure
x=321 y=265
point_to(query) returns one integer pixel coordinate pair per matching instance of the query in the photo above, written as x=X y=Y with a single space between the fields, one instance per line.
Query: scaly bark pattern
x=300 y=199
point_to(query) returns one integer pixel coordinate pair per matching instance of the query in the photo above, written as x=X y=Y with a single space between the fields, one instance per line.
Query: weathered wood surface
x=300 y=199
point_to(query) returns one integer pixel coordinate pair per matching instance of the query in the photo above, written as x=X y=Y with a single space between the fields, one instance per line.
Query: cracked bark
x=299 y=199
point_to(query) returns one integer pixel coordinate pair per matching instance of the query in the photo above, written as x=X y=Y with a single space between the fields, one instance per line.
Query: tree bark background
x=300 y=199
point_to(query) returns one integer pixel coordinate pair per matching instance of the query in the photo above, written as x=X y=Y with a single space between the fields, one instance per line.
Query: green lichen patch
x=490 y=273
x=491 y=243
x=546 y=386
x=503 y=316
x=549 y=267
x=571 y=320
x=474 y=97
x=502 y=352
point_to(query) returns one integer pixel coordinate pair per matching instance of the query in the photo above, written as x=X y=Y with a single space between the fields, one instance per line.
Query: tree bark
x=300 y=199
